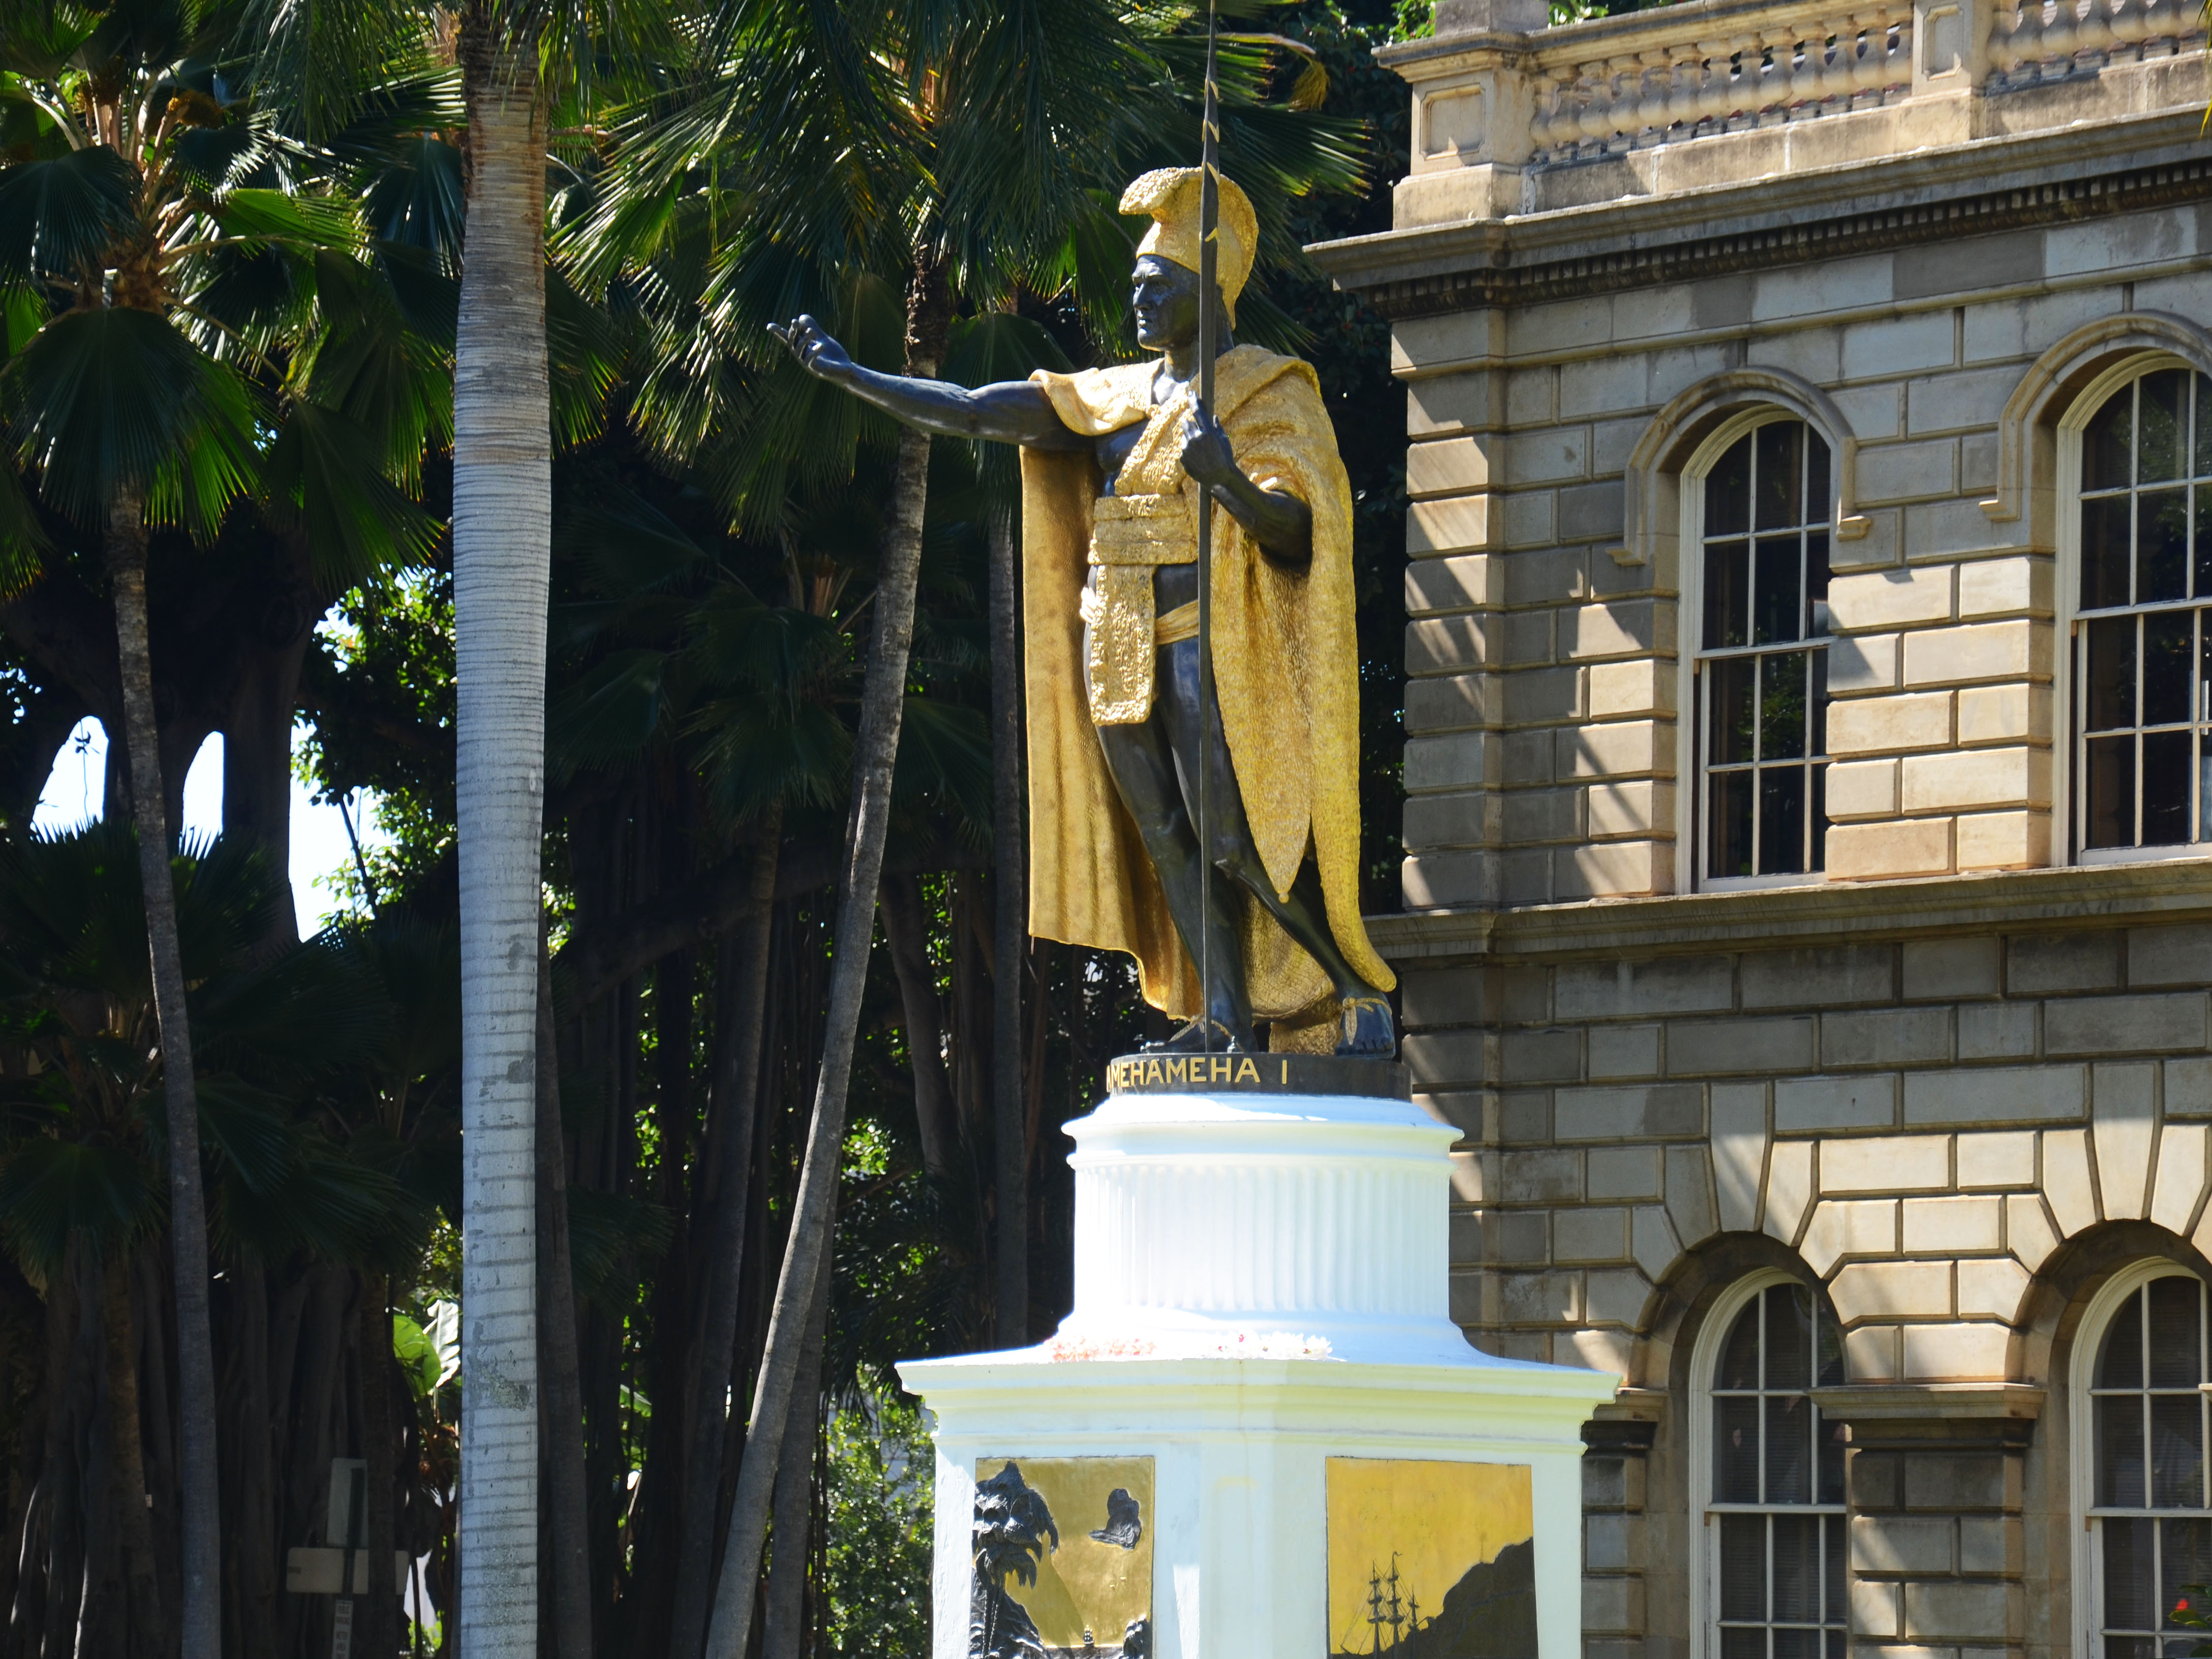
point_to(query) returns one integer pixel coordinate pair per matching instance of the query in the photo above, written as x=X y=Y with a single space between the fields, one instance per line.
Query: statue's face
x=1164 y=296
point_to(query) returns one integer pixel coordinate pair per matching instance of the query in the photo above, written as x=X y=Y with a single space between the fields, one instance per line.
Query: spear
x=1209 y=235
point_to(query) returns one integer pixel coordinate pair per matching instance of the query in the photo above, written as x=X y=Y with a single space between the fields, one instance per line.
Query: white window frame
x=1706 y=1353
x=2096 y=1320
x=1689 y=723
x=2066 y=726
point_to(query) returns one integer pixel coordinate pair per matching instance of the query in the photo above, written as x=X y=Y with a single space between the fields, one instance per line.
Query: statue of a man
x=1114 y=464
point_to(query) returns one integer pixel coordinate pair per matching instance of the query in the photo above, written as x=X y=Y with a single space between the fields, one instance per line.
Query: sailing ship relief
x=1062 y=1551
x=1430 y=1559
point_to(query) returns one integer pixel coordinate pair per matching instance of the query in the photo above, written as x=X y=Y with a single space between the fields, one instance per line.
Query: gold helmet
x=1170 y=196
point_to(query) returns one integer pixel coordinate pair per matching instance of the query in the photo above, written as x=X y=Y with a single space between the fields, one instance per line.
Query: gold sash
x=1131 y=536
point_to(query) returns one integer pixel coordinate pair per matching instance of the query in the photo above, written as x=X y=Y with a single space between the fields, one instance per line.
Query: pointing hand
x=810 y=344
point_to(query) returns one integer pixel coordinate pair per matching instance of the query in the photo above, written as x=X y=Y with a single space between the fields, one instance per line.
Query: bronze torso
x=1173 y=585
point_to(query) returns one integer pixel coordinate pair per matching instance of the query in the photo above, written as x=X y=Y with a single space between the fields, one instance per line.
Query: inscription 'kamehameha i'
x=1262 y=1074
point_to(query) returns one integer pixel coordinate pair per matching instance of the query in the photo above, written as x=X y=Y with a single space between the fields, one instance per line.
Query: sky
x=76 y=791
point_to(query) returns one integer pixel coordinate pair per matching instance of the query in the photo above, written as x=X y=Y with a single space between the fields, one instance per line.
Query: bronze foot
x=1366 y=1027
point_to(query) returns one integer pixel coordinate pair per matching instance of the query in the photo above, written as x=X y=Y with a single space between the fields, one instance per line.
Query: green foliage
x=880 y=1471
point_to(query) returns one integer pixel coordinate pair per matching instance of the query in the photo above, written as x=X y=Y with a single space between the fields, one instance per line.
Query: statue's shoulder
x=1248 y=370
x=1095 y=400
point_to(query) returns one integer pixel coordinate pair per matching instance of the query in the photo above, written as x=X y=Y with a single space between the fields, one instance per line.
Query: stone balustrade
x=1512 y=118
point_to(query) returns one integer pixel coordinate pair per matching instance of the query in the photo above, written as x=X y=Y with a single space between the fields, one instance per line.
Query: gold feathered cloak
x=1286 y=672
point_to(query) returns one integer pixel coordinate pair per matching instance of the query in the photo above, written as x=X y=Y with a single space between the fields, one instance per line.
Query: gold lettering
x=1287 y=1074
x=1245 y=1068
x=1178 y=1070
x=1219 y=1070
x=1152 y=1072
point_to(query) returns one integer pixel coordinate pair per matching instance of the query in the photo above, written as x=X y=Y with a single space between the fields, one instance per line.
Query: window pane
x=2176 y=1305
x=1743 y=1566
x=1737 y=1642
x=1829 y=1439
x=1819 y=826
x=2165 y=425
x=1782 y=707
x=2108 y=442
x=2185 y=1558
x=2120 y=1452
x=1797 y=1568
x=2203 y=427
x=1830 y=1353
x=1728 y=491
x=1776 y=604
x=2105 y=556
x=2120 y=1364
x=1738 y=1366
x=1817 y=715
x=1790 y=1644
x=1728 y=594
x=1816 y=582
x=1782 y=821
x=1789 y=1449
x=2177 y=1452
x=1728 y=842
x=2165 y=788
x=1735 y=1449
x=2203 y=588
x=2128 y=1586
x=2162 y=545
x=2130 y=1647
x=2169 y=643
x=1831 y=1552
x=1734 y=687
x=1780 y=474
x=2111 y=802
x=2112 y=689
x=1789 y=1337
x=1816 y=488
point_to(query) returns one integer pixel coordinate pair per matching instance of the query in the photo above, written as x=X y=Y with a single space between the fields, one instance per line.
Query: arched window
x=1763 y=516
x=2149 y=1512
x=1771 y=1477
x=2142 y=691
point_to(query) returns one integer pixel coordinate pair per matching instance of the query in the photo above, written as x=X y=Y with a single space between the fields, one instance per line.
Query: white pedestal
x=1308 y=1232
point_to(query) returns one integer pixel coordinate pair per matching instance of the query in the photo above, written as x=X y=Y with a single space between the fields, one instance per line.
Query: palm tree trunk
x=905 y=933
x=571 y=1565
x=794 y=1525
x=1010 y=931
x=737 y=1113
x=376 y=1619
x=142 y=1612
x=503 y=479
x=200 y=1617
x=814 y=1210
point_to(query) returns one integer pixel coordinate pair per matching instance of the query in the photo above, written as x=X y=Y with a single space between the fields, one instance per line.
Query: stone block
x=1452 y=524
x=1862 y=789
x=1899 y=346
x=1435 y=880
x=1540 y=1298
x=2115 y=1026
x=1969 y=1611
x=1707 y=1048
x=1876 y=599
x=2023 y=325
x=1886 y=1036
x=1613 y=1604
x=1870 y=1356
x=1663 y=985
x=1527 y=757
x=1861 y=1227
x=1886 y=1163
x=1954 y=1353
x=1465 y=818
x=2019 y=586
x=1603 y=386
x=1618 y=1172
x=1541 y=1056
x=1492 y=1238
x=2116 y=244
x=1623 y=1051
x=1876 y=726
x=1877 y=1608
x=1652 y=1242
x=1448 y=466
x=1446 y=645
x=2005 y=841
x=1739 y=1146
x=1523 y=1117
x=1593 y=512
x=1540 y=696
x=1948 y=1227
x=1524 y=638
x=1545 y=576
x=1826 y=976
x=1621 y=628
x=1655 y=1110
x=2030 y=1233
x=1599 y=1235
x=1618 y=1296
x=1874 y=852
x=1894 y=1289
x=1531 y=518
x=1623 y=689
x=1470 y=401
x=1618 y=749
x=2170 y=956
x=1535 y=816
x=2006 y=1158
x=2122 y=1125
x=2009 y=1094
x=1967 y=265
x=1690 y=1193
x=1805 y=1103
x=1532 y=396
x=2002 y=1031
x=1545 y=1177
x=1612 y=869
x=1449 y=702
x=1822 y=288
x=1466 y=581
x=1975 y=778
x=1961 y=1480
x=2068 y=1186
x=2178 y=1181
x=1921 y=1545
x=1990 y=1544
x=2188 y=1088
x=1954 y=402
x=1463 y=760
x=1908 y=472
x=1639 y=807
x=1978 y=651
x=1447 y=996
x=1438 y=1058
x=1549 y=454
x=1992 y=1287
x=1862 y=662
x=1788 y=1188
x=1949 y=968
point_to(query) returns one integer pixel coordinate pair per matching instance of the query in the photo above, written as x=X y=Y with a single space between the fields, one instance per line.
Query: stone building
x=1810 y=420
